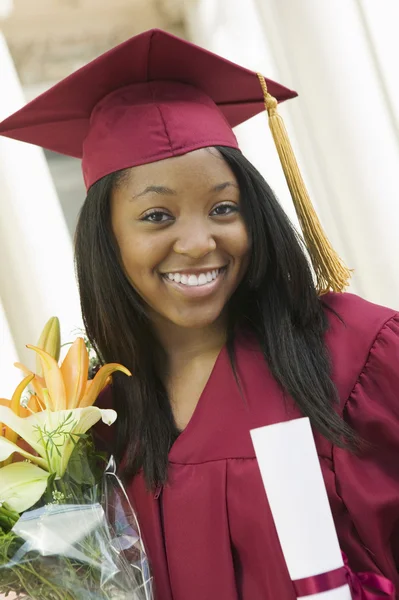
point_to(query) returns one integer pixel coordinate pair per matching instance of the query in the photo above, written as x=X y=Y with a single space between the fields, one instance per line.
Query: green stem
x=63 y=488
x=6 y=522
x=8 y=512
x=45 y=581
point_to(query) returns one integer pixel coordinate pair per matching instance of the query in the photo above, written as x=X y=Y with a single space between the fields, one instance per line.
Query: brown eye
x=224 y=210
x=156 y=216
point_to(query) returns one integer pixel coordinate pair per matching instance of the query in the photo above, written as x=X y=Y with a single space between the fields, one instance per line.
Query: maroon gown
x=209 y=532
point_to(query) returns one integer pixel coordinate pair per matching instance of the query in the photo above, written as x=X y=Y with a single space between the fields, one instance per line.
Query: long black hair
x=277 y=300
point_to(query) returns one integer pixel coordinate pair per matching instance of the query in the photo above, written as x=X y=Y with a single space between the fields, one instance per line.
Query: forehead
x=205 y=165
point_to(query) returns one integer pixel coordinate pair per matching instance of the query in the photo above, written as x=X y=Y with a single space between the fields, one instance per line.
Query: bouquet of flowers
x=67 y=530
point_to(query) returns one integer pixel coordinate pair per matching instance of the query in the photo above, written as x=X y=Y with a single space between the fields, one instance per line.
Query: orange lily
x=50 y=341
x=21 y=411
x=60 y=411
x=67 y=386
x=67 y=399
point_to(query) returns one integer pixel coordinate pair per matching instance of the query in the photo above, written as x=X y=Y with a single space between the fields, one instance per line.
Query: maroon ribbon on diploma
x=364 y=586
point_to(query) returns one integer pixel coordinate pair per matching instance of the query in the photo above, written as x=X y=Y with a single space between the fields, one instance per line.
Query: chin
x=196 y=319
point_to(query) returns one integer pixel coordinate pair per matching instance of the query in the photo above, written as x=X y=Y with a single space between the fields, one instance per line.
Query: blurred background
x=340 y=56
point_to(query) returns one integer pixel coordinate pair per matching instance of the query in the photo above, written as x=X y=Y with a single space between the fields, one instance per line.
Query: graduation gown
x=209 y=532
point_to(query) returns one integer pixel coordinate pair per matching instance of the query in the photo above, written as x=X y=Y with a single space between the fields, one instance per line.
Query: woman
x=191 y=275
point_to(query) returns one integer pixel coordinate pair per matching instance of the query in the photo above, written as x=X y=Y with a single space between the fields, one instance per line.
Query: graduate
x=191 y=276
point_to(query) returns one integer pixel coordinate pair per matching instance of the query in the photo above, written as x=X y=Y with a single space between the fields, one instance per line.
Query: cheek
x=238 y=242
x=139 y=256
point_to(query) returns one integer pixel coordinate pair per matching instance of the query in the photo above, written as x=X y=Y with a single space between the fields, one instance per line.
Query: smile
x=195 y=284
x=192 y=280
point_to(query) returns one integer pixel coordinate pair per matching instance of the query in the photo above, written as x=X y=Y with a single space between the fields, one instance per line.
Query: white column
x=381 y=21
x=345 y=125
x=36 y=271
x=9 y=375
x=6 y=7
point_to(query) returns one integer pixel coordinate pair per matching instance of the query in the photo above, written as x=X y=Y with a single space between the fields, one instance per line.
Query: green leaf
x=80 y=466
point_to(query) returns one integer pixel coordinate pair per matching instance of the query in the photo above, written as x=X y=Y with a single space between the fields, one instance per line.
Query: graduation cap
x=156 y=96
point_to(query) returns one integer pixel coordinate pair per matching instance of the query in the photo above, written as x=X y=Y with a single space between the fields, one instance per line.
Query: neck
x=184 y=345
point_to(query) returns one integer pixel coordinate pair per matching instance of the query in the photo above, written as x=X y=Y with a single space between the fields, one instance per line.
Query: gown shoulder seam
x=379 y=334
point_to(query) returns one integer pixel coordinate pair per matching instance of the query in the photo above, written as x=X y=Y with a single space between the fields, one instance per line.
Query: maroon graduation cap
x=152 y=97
x=156 y=96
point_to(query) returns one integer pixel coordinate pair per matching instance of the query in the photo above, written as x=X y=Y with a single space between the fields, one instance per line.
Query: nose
x=195 y=240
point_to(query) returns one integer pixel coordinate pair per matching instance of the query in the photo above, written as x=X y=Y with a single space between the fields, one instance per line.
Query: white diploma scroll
x=295 y=489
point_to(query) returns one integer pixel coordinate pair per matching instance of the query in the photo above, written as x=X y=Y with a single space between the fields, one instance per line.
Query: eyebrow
x=157 y=189
x=165 y=191
x=222 y=186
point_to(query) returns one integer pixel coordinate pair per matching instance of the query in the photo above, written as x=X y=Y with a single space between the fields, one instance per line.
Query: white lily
x=57 y=416
x=52 y=435
x=22 y=484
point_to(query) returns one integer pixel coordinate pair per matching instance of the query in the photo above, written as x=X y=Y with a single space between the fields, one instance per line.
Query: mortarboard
x=156 y=96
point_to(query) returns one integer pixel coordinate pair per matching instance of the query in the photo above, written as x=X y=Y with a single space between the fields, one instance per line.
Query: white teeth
x=194 y=280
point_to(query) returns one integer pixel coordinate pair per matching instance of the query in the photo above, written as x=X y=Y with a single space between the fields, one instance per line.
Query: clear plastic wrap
x=81 y=541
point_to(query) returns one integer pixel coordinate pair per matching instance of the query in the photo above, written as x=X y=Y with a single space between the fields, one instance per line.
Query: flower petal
x=89 y=416
x=53 y=379
x=74 y=371
x=52 y=434
x=16 y=397
x=37 y=383
x=99 y=381
x=22 y=485
x=84 y=419
x=26 y=427
x=49 y=341
x=15 y=405
x=23 y=412
x=34 y=405
x=108 y=416
x=8 y=448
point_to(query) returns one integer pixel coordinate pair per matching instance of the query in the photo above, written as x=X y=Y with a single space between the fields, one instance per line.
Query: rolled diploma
x=298 y=500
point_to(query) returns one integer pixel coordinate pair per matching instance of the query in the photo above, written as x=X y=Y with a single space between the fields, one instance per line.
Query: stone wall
x=49 y=39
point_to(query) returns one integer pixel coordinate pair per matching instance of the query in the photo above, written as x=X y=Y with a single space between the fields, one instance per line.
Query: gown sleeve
x=367 y=481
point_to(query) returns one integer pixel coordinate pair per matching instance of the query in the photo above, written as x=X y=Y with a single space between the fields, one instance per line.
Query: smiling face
x=182 y=239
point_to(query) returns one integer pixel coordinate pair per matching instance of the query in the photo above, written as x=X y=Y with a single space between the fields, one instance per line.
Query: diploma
x=297 y=496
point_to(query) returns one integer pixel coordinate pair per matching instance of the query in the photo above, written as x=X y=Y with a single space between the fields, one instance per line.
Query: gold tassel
x=331 y=273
